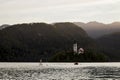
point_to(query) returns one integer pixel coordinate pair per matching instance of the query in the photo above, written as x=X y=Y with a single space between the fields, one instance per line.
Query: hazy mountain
x=31 y=42
x=96 y=29
x=111 y=45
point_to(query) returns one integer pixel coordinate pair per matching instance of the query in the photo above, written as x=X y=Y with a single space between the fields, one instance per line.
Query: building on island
x=80 y=51
x=76 y=50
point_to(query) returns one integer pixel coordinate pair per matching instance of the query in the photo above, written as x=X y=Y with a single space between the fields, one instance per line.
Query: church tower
x=75 y=48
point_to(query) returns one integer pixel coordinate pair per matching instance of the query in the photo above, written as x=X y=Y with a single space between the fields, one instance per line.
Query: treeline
x=88 y=56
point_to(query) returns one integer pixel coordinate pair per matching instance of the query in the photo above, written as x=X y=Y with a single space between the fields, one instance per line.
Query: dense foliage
x=88 y=56
x=110 y=44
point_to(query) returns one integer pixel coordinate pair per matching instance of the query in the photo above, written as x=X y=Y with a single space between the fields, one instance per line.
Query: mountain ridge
x=31 y=42
x=97 y=29
x=110 y=44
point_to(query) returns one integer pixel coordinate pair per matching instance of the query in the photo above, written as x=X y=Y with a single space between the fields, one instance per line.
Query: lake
x=59 y=71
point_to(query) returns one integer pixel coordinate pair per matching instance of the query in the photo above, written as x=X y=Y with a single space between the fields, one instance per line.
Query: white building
x=80 y=51
x=75 y=48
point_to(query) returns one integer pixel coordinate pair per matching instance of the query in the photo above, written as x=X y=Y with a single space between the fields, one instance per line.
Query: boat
x=76 y=63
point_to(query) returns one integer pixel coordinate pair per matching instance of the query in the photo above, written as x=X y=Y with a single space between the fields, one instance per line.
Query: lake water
x=59 y=71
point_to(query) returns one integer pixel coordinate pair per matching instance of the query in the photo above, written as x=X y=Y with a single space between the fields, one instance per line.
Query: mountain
x=4 y=26
x=96 y=29
x=31 y=42
x=110 y=44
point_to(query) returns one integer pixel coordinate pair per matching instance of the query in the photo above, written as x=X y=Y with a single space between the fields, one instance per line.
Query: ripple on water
x=73 y=73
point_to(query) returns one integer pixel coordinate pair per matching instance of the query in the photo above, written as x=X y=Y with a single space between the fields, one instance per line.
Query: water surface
x=59 y=71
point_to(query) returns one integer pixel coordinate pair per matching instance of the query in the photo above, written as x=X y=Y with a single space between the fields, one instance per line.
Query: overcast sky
x=25 y=11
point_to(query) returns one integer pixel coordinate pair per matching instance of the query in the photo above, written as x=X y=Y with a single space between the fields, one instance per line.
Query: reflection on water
x=61 y=73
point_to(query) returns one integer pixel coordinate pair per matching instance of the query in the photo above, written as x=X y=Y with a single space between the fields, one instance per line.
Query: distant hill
x=110 y=44
x=31 y=42
x=96 y=29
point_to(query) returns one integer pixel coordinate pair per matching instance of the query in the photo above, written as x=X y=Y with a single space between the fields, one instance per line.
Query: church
x=76 y=50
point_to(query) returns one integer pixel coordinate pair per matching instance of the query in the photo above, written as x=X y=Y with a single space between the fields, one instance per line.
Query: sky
x=49 y=11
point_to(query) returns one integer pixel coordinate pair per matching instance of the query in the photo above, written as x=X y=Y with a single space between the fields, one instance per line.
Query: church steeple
x=75 y=50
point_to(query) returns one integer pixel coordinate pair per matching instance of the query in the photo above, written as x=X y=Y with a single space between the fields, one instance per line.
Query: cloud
x=17 y=11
